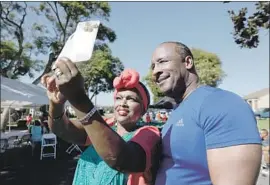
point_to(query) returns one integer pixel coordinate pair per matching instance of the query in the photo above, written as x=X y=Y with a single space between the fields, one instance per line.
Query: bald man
x=208 y=132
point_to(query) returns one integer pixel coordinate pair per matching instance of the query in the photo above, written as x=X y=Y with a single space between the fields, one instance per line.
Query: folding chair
x=48 y=140
x=73 y=147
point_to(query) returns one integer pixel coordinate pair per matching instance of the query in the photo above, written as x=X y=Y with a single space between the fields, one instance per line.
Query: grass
x=263 y=123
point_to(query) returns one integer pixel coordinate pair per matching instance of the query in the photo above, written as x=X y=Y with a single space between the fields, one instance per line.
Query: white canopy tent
x=16 y=94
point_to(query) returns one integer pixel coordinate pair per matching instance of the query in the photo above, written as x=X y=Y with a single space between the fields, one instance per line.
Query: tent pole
x=9 y=129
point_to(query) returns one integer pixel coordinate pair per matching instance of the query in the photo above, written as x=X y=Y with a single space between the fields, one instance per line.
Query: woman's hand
x=53 y=93
x=69 y=80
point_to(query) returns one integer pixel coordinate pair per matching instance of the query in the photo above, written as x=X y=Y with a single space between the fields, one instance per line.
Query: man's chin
x=167 y=91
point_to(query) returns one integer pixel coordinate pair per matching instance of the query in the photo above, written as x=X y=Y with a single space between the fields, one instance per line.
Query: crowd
x=160 y=116
x=202 y=141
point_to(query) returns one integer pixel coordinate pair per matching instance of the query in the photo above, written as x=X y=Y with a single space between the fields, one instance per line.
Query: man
x=212 y=136
x=265 y=146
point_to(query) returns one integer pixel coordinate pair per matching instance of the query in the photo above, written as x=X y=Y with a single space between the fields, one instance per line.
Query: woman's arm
x=69 y=130
x=123 y=156
x=118 y=154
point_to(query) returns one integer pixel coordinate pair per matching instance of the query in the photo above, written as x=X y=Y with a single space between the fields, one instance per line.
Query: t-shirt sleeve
x=147 y=137
x=227 y=120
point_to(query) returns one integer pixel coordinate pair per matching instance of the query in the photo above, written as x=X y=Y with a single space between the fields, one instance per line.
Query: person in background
x=29 y=119
x=119 y=153
x=153 y=116
x=265 y=149
x=158 y=116
x=44 y=122
x=212 y=135
x=147 y=118
x=36 y=132
x=164 y=118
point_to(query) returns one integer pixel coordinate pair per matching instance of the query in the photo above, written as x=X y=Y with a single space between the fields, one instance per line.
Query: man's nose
x=156 y=72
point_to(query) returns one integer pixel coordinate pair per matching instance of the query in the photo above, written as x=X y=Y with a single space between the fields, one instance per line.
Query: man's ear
x=189 y=62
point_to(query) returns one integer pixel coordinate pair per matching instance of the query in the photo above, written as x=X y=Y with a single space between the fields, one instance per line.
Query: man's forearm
x=69 y=130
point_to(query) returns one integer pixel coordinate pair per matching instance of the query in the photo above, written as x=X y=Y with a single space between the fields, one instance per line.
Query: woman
x=29 y=119
x=119 y=153
x=36 y=134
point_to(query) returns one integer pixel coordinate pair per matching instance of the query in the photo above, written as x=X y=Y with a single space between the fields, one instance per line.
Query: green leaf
x=246 y=28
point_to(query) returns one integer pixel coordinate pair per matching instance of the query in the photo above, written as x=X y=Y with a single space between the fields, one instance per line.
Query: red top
x=28 y=119
x=147 y=137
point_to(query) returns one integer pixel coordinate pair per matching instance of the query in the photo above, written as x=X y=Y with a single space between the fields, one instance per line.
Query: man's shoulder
x=220 y=96
x=224 y=103
x=212 y=97
x=214 y=91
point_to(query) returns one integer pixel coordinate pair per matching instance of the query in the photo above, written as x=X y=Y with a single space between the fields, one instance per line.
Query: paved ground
x=263 y=180
x=18 y=167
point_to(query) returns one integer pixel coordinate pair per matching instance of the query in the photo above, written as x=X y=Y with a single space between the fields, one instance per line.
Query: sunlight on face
x=128 y=107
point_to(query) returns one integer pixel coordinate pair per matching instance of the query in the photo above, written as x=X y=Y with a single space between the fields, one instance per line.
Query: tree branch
x=65 y=29
x=56 y=14
x=47 y=68
x=19 y=35
x=22 y=21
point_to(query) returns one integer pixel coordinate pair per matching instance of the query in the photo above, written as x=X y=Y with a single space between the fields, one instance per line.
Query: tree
x=16 y=49
x=246 y=28
x=47 y=37
x=63 y=18
x=153 y=87
x=208 y=66
x=101 y=70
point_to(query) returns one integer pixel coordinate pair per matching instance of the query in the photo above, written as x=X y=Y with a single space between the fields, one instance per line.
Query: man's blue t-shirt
x=208 y=118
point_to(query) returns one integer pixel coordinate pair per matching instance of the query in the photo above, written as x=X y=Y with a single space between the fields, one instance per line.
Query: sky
x=141 y=26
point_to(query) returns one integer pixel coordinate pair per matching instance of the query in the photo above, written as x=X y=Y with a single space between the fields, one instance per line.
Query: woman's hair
x=147 y=94
x=37 y=123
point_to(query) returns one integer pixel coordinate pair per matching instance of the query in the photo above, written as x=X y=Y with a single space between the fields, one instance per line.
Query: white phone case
x=79 y=46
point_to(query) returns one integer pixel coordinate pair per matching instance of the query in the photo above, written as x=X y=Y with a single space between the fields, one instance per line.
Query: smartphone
x=79 y=46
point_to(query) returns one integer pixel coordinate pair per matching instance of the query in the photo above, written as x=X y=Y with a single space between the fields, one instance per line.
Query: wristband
x=86 y=118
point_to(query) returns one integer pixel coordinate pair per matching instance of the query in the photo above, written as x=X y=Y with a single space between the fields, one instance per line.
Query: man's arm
x=235 y=165
x=232 y=139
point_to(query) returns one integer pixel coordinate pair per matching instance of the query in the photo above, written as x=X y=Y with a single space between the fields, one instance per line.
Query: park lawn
x=263 y=123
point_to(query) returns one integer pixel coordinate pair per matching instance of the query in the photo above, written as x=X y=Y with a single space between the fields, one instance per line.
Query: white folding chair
x=73 y=147
x=48 y=140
